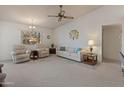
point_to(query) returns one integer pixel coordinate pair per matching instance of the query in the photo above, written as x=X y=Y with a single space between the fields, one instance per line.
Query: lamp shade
x=91 y=42
x=30 y=27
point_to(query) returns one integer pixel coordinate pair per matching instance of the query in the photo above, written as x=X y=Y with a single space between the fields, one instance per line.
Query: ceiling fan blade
x=60 y=7
x=68 y=17
x=53 y=16
x=61 y=14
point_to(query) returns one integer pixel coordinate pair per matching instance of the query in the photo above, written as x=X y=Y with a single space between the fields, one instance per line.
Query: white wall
x=123 y=37
x=90 y=27
x=10 y=34
x=112 y=42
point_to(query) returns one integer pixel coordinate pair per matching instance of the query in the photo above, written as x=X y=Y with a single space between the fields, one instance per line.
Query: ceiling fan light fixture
x=61 y=15
x=32 y=26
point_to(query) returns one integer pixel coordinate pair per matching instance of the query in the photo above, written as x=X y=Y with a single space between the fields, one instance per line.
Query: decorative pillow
x=77 y=50
x=62 y=49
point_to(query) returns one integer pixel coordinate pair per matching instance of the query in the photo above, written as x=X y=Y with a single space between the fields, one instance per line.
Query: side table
x=90 y=58
x=52 y=50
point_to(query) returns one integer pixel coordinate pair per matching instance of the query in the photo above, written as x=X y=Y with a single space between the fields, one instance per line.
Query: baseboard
x=5 y=60
x=113 y=60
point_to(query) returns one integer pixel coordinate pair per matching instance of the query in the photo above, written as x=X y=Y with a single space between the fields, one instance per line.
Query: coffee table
x=34 y=54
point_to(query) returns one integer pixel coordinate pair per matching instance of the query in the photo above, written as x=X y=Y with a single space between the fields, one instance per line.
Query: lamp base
x=91 y=49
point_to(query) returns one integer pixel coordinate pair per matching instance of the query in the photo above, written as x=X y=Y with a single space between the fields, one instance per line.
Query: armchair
x=122 y=61
x=42 y=50
x=2 y=76
x=20 y=54
x=1 y=65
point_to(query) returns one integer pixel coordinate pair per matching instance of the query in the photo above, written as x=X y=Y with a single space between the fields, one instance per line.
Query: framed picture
x=30 y=37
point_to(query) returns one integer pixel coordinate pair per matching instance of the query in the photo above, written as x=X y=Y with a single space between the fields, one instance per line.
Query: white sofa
x=70 y=53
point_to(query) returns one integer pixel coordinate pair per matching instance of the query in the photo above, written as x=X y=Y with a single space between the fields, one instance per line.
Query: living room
x=78 y=33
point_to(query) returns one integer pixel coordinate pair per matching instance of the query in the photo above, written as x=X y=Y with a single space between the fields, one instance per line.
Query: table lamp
x=91 y=44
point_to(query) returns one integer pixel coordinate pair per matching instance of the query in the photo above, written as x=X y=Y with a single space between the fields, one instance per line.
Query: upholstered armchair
x=2 y=76
x=122 y=62
x=42 y=50
x=20 y=54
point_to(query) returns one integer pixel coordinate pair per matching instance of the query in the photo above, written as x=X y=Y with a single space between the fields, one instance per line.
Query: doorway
x=111 y=42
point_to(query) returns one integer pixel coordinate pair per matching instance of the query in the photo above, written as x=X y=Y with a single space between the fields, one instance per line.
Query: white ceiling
x=39 y=13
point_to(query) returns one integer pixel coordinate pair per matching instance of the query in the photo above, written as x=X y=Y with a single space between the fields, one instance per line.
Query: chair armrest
x=13 y=53
x=27 y=52
x=2 y=77
x=122 y=60
x=1 y=65
x=47 y=49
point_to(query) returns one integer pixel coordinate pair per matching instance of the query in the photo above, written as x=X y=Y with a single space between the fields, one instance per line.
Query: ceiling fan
x=61 y=15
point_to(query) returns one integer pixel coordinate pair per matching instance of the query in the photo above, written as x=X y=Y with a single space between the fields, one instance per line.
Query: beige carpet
x=55 y=71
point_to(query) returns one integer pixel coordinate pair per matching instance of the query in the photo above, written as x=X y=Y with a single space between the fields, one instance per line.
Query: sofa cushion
x=22 y=56
x=19 y=47
x=42 y=49
x=71 y=50
x=75 y=55
x=46 y=49
x=18 y=52
x=59 y=52
x=44 y=52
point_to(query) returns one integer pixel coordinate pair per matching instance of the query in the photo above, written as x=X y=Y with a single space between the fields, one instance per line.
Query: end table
x=90 y=58
x=52 y=50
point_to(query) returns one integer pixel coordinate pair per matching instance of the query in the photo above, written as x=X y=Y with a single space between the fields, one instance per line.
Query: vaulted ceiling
x=39 y=13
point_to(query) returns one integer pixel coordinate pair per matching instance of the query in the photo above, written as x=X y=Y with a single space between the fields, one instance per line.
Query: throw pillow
x=62 y=48
x=77 y=50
